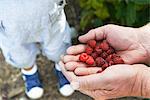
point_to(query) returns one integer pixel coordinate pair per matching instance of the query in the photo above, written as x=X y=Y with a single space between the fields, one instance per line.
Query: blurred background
x=94 y=13
x=83 y=15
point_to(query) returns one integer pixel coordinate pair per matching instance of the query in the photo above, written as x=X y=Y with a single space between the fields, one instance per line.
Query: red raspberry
x=92 y=43
x=99 y=61
x=98 y=50
x=90 y=60
x=109 y=58
x=104 y=55
x=100 y=54
x=83 y=57
x=114 y=55
x=118 y=60
x=110 y=51
x=104 y=45
x=88 y=50
x=105 y=65
x=94 y=55
x=111 y=63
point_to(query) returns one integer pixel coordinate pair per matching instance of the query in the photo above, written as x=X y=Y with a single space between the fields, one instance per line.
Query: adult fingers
x=93 y=81
x=87 y=71
x=71 y=66
x=77 y=49
x=89 y=82
x=97 y=34
x=69 y=58
x=69 y=75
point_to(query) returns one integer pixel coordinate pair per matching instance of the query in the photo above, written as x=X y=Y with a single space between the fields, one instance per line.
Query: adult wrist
x=142 y=83
x=144 y=39
x=146 y=83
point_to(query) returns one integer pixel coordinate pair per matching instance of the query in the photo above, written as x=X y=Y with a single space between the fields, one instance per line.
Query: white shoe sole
x=66 y=90
x=35 y=93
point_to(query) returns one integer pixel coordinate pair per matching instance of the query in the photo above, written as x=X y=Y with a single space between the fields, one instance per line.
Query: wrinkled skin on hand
x=116 y=81
x=126 y=40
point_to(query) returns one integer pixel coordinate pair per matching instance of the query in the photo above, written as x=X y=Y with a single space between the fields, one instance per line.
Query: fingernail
x=75 y=85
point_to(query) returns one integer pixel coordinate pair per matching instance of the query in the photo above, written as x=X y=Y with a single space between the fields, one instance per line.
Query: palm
x=126 y=42
x=117 y=82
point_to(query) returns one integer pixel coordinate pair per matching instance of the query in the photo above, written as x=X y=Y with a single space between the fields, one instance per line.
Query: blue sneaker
x=33 y=85
x=64 y=85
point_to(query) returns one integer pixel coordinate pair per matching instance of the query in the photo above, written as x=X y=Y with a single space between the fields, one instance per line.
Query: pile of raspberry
x=100 y=54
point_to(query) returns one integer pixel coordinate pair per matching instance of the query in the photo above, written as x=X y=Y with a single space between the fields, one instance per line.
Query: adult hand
x=131 y=44
x=127 y=41
x=115 y=81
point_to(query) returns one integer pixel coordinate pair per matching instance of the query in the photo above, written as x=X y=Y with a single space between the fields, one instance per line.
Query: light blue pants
x=19 y=36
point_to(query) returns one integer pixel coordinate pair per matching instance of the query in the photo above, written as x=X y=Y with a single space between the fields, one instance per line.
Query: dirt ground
x=12 y=86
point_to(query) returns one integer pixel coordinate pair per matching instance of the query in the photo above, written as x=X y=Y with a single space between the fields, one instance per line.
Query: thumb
x=97 y=34
x=90 y=82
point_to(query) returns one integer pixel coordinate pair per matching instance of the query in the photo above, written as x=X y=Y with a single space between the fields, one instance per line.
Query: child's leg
x=23 y=56
x=55 y=47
